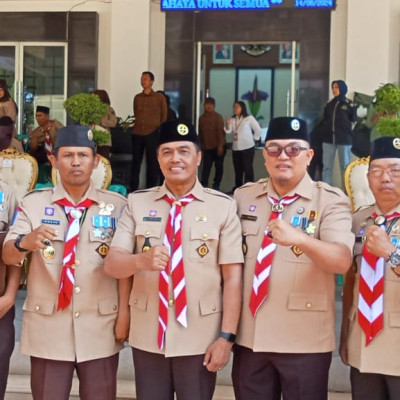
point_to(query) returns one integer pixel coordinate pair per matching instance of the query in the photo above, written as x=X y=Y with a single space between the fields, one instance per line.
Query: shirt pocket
x=108 y=307
x=210 y=305
x=250 y=240
x=138 y=301
x=203 y=244
x=38 y=305
x=308 y=301
x=147 y=236
x=394 y=320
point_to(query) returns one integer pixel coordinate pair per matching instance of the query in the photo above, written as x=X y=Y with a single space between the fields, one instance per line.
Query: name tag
x=50 y=221
x=152 y=219
x=249 y=217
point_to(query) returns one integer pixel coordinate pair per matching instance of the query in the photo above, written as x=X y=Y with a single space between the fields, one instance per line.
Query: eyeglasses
x=378 y=172
x=291 y=150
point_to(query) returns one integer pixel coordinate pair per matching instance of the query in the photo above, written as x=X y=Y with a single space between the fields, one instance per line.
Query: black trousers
x=7 y=342
x=211 y=157
x=265 y=376
x=158 y=377
x=140 y=145
x=243 y=166
x=367 y=386
x=52 y=379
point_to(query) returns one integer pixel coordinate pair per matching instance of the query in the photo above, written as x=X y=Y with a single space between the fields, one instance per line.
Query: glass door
x=263 y=75
x=36 y=74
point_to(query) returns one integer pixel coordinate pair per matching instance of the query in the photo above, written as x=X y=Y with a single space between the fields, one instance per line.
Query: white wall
x=131 y=40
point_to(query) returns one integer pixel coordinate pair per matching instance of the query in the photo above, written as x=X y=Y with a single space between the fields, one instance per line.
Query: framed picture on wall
x=222 y=53
x=254 y=86
x=285 y=53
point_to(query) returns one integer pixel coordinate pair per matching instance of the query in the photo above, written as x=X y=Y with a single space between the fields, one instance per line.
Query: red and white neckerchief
x=48 y=146
x=265 y=256
x=175 y=269
x=370 y=298
x=67 y=279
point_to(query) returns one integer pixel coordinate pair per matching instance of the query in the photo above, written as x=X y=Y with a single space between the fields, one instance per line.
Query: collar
x=59 y=193
x=197 y=191
x=304 y=188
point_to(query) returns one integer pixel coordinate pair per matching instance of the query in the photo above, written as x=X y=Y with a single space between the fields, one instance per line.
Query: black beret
x=385 y=147
x=177 y=131
x=287 y=128
x=75 y=136
x=43 y=109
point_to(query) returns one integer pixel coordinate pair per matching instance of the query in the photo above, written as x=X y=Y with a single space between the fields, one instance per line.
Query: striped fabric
x=265 y=256
x=67 y=279
x=175 y=269
x=371 y=285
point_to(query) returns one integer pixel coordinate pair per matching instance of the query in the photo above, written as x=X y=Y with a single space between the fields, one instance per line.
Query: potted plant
x=88 y=109
x=387 y=105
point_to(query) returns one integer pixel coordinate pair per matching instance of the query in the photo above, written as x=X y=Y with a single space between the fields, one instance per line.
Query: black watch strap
x=230 y=337
x=17 y=243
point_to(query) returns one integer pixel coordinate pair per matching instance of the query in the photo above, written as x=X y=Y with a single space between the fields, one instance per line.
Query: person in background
x=181 y=243
x=43 y=138
x=296 y=237
x=8 y=107
x=245 y=131
x=74 y=318
x=10 y=276
x=171 y=114
x=107 y=122
x=371 y=308
x=339 y=114
x=150 y=110
x=212 y=143
x=6 y=135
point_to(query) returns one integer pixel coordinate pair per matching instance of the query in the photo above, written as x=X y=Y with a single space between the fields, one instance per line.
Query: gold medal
x=49 y=253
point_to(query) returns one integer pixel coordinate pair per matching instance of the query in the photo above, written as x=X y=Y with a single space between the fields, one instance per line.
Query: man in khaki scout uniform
x=296 y=236
x=37 y=137
x=371 y=310
x=72 y=318
x=186 y=294
x=10 y=276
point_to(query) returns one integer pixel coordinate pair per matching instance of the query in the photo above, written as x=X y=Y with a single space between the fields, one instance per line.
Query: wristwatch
x=394 y=258
x=230 y=337
x=17 y=243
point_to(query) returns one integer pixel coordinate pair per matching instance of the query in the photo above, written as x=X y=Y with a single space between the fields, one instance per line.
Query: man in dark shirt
x=212 y=141
x=150 y=110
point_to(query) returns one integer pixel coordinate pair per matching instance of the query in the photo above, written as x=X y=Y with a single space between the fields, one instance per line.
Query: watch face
x=394 y=258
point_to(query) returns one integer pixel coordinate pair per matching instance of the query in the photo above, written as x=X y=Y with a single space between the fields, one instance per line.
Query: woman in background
x=8 y=108
x=107 y=122
x=246 y=131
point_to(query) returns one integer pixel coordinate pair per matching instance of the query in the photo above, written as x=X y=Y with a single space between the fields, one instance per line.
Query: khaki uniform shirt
x=211 y=236
x=381 y=356
x=298 y=314
x=8 y=204
x=85 y=329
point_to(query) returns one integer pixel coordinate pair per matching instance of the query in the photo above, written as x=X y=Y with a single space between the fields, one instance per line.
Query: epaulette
x=152 y=189
x=216 y=193
x=39 y=190
x=363 y=207
x=329 y=188
x=110 y=192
